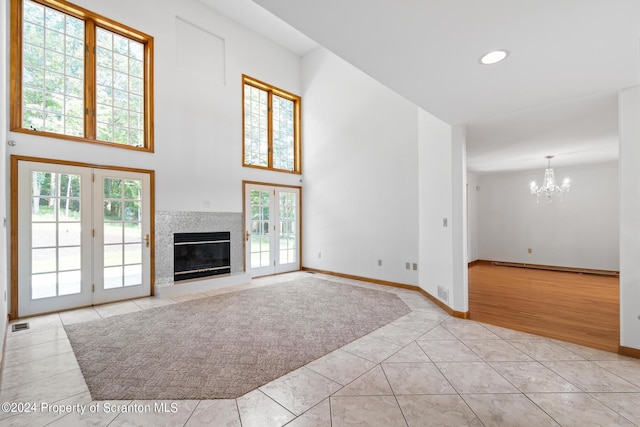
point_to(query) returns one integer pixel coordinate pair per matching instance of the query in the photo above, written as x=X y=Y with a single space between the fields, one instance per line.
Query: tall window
x=77 y=75
x=271 y=127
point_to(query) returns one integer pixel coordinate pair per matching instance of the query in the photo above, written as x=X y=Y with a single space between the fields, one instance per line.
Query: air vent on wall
x=443 y=294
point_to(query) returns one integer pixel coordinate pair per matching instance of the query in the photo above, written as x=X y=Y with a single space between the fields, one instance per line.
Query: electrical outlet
x=319 y=254
x=529 y=250
x=445 y=222
x=379 y=263
x=206 y=204
x=415 y=266
x=407 y=265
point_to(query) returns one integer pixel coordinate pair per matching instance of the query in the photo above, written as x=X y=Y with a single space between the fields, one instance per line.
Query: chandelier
x=549 y=188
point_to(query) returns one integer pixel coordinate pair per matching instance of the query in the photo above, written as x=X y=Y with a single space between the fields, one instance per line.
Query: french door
x=272 y=235
x=83 y=236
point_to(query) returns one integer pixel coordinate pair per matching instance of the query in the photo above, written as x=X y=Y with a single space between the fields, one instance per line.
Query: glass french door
x=272 y=235
x=82 y=236
x=121 y=260
x=54 y=245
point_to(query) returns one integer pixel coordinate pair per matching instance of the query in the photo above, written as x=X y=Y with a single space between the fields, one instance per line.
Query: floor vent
x=443 y=294
x=19 y=327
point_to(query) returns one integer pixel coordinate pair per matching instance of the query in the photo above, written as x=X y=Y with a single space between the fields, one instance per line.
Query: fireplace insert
x=201 y=254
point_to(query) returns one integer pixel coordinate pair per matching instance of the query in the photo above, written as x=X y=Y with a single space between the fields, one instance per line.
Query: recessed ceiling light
x=493 y=57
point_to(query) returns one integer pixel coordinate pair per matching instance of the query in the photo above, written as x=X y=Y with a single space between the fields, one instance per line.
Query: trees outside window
x=77 y=75
x=271 y=127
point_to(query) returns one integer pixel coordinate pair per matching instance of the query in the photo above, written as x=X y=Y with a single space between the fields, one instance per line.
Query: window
x=271 y=127
x=80 y=76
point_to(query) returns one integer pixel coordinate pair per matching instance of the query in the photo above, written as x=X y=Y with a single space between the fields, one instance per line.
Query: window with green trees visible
x=80 y=76
x=271 y=127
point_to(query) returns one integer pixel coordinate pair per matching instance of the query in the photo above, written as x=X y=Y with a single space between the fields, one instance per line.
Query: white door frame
x=274 y=265
x=14 y=311
x=29 y=305
x=101 y=293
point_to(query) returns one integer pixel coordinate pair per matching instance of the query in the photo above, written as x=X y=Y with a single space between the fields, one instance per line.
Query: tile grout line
x=613 y=373
x=191 y=414
x=542 y=409
x=609 y=407
x=395 y=397
x=592 y=362
x=238 y=411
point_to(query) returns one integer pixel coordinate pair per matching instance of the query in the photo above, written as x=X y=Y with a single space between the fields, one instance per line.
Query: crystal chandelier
x=549 y=188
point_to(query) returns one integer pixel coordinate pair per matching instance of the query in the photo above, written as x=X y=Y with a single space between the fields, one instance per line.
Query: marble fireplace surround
x=169 y=222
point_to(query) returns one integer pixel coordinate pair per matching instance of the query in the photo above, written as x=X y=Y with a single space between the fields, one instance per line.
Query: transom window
x=77 y=75
x=271 y=127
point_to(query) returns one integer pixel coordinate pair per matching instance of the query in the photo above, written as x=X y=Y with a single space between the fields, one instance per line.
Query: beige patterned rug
x=227 y=345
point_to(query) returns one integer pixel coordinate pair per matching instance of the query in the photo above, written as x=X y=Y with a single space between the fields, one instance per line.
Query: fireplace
x=201 y=254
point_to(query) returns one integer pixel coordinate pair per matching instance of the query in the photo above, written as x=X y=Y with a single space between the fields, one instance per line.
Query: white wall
x=472 y=212
x=435 y=184
x=4 y=176
x=198 y=113
x=198 y=105
x=581 y=231
x=629 y=125
x=361 y=173
x=460 y=286
x=442 y=187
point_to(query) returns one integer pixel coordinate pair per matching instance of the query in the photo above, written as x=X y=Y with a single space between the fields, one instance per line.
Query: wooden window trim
x=15 y=159
x=91 y=21
x=272 y=90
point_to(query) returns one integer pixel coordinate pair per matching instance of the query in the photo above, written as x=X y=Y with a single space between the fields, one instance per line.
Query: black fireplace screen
x=201 y=254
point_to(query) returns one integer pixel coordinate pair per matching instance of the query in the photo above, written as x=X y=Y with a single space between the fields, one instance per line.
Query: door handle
x=146 y=240
x=246 y=235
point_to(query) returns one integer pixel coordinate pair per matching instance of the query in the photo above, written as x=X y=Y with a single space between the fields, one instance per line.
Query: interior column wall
x=472 y=217
x=436 y=205
x=459 y=223
x=629 y=125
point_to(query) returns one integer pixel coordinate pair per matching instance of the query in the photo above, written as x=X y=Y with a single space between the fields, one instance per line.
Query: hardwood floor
x=579 y=308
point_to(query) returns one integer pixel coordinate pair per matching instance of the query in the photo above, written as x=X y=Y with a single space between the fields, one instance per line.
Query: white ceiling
x=555 y=93
x=577 y=132
x=265 y=23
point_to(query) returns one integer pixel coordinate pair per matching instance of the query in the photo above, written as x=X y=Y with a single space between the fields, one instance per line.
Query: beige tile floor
x=424 y=369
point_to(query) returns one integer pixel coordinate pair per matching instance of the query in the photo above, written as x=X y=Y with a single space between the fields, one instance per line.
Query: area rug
x=224 y=346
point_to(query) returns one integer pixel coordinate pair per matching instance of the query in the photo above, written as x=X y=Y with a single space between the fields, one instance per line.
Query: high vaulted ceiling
x=554 y=94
